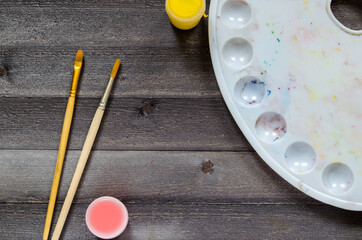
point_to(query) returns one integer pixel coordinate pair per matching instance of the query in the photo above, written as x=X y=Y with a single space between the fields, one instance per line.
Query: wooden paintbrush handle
x=92 y=133
x=63 y=142
x=59 y=164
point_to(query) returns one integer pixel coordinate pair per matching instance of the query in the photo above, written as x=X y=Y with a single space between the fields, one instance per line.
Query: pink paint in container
x=106 y=217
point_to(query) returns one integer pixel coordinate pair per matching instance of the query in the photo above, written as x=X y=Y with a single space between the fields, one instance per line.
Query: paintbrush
x=63 y=143
x=85 y=153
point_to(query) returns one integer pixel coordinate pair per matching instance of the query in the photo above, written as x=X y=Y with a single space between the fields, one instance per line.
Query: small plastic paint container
x=185 y=14
x=106 y=217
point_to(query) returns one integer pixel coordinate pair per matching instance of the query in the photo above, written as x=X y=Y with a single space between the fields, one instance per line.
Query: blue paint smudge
x=278 y=39
x=257 y=82
x=266 y=63
x=244 y=87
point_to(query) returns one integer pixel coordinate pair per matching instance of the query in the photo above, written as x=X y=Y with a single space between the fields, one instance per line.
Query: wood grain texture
x=168 y=124
x=157 y=59
x=145 y=72
x=97 y=23
x=148 y=177
x=196 y=221
x=156 y=62
x=166 y=108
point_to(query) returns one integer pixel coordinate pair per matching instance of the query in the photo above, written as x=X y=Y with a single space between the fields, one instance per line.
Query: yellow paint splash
x=337 y=49
x=295 y=37
x=313 y=95
x=305 y=2
x=321 y=155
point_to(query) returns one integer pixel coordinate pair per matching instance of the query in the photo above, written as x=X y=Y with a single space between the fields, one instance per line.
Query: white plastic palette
x=291 y=76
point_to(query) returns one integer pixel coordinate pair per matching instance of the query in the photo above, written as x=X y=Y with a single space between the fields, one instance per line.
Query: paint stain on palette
x=270 y=127
x=292 y=81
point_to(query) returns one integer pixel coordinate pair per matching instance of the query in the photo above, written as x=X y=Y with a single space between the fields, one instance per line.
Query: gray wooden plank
x=90 y=4
x=196 y=221
x=146 y=72
x=98 y=23
x=26 y=176
x=162 y=124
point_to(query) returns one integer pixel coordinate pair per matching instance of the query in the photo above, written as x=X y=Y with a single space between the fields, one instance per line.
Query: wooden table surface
x=168 y=147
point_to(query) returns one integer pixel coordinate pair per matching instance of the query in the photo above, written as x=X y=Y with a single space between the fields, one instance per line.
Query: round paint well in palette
x=237 y=52
x=250 y=91
x=270 y=127
x=300 y=157
x=106 y=217
x=236 y=14
x=337 y=178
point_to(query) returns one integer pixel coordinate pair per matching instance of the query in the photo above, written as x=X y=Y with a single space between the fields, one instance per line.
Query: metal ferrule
x=72 y=93
x=104 y=99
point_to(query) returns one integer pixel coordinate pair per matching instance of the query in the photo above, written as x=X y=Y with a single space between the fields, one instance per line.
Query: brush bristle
x=78 y=59
x=115 y=68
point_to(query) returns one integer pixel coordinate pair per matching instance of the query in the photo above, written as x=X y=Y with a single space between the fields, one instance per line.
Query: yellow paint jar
x=185 y=14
